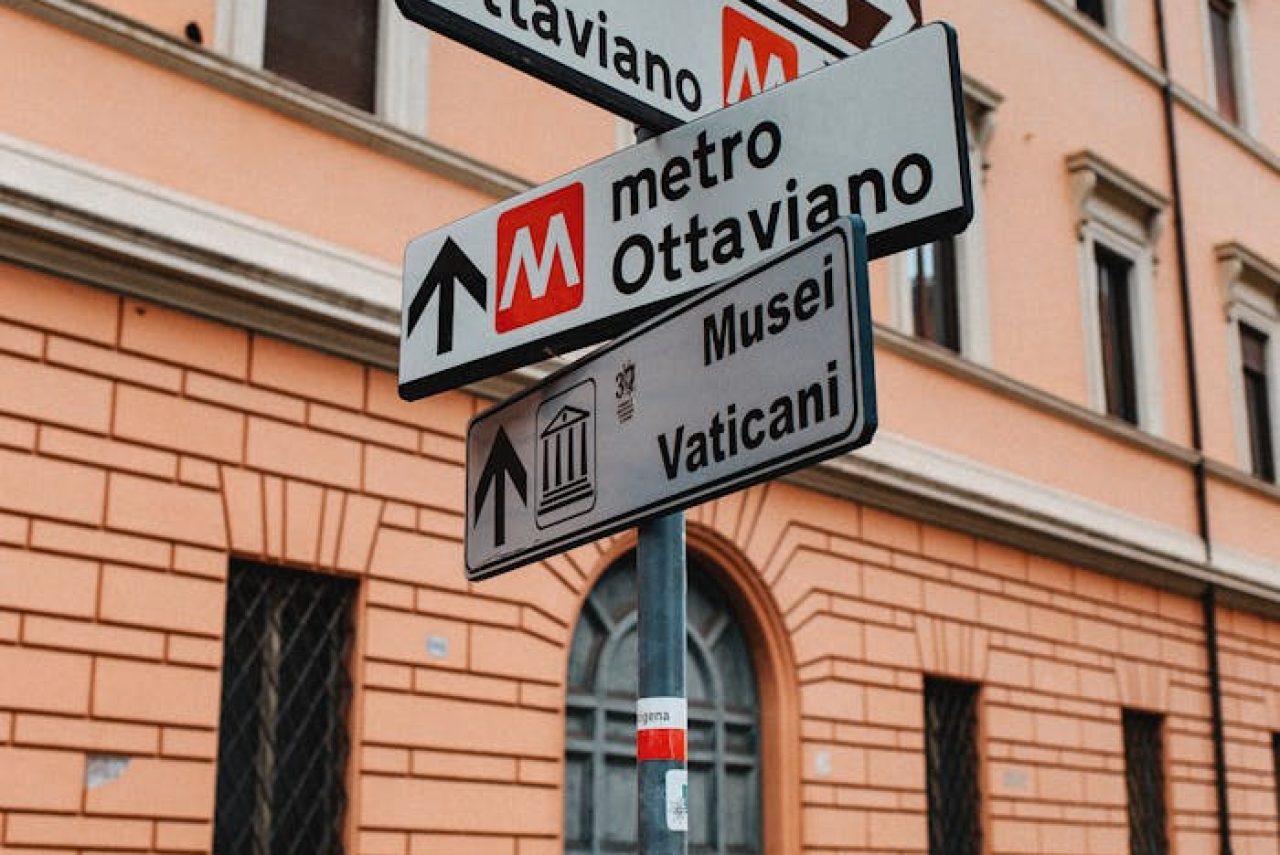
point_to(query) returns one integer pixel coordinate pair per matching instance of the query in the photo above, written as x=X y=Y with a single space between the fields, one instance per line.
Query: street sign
x=747 y=380
x=580 y=259
x=661 y=63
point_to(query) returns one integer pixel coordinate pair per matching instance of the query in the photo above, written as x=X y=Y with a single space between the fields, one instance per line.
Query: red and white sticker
x=662 y=726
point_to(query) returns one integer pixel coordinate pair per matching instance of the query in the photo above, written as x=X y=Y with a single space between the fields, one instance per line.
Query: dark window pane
x=935 y=303
x=1115 y=322
x=1224 y=64
x=724 y=761
x=951 y=760
x=282 y=741
x=1093 y=9
x=1144 y=781
x=1257 y=401
x=329 y=45
x=1275 y=768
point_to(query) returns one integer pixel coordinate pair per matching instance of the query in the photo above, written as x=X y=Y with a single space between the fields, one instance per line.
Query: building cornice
x=116 y=232
x=297 y=102
x=79 y=221
x=270 y=91
x=1009 y=388
x=1066 y=12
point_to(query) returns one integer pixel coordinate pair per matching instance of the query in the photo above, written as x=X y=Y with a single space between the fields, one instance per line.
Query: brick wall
x=140 y=448
x=1249 y=659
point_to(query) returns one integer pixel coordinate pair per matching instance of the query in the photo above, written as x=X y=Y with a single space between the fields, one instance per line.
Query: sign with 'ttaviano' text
x=661 y=63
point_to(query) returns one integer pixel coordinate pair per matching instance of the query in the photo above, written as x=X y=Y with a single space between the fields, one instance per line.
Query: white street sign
x=661 y=63
x=743 y=382
x=580 y=259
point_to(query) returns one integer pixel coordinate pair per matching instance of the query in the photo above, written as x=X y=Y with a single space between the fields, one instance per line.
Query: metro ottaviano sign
x=661 y=63
x=578 y=260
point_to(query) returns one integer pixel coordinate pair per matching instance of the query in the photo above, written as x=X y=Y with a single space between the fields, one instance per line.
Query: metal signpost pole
x=786 y=400
x=660 y=627
x=661 y=713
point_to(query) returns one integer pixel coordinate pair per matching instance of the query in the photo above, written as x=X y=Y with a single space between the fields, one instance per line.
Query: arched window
x=724 y=755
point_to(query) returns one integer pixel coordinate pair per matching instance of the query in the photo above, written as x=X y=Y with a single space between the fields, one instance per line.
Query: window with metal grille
x=935 y=298
x=1275 y=769
x=1144 y=780
x=1094 y=9
x=1253 y=359
x=282 y=743
x=327 y=45
x=600 y=744
x=1222 y=37
x=1115 y=315
x=952 y=766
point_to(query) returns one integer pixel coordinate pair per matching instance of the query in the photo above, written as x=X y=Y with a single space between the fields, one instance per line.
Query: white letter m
x=744 y=80
x=537 y=266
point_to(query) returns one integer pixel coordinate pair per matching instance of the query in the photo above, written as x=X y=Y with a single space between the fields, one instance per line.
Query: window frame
x=279 y=586
x=612 y=629
x=1115 y=14
x=1264 y=468
x=1240 y=62
x=1161 y=723
x=1119 y=305
x=950 y=323
x=1275 y=768
x=1121 y=214
x=400 y=89
x=1251 y=297
x=970 y=246
x=1103 y=8
x=980 y=819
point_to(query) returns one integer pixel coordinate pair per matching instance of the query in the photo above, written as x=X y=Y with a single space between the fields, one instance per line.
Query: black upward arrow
x=451 y=265
x=503 y=462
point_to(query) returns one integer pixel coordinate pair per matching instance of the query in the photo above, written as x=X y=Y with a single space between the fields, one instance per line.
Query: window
x=1223 y=52
x=329 y=45
x=1093 y=9
x=1144 y=782
x=952 y=767
x=362 y=52
x=940 y=289
x=724 y=759
x=1275 y=768
x=935 y=307
x=282 y=740
x=1119 y=224
x=1115 y=323
x=1251 y=297
x=1253 y=359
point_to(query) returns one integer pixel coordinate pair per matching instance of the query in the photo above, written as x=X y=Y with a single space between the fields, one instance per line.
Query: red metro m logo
x=755 y=58
x=540 y=259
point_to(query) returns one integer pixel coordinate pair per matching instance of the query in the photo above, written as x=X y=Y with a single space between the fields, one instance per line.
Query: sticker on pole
x=662 y=729
x=678 y=800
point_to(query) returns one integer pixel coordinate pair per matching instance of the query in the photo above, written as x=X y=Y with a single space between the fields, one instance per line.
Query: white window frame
x=1241 y=61
x=1118 y=212
x=400 y=97
x=1251 y=296
x=1117 y=15
x=970 y=246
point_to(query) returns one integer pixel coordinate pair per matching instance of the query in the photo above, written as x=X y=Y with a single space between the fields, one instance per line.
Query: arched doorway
x=724 y=724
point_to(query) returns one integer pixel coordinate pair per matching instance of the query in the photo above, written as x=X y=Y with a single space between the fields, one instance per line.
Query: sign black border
x=859 y=433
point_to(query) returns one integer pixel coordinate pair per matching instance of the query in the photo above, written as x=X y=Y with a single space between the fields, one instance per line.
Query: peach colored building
x=1039 y=614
